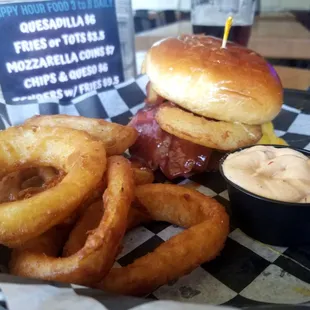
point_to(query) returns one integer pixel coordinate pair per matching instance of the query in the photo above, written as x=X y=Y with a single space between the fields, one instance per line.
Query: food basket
x=246 y=274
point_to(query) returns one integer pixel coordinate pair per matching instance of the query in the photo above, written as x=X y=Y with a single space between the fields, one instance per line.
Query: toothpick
x=228 y=24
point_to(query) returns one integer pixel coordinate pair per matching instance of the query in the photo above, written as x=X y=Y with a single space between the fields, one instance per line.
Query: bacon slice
x=159 y=149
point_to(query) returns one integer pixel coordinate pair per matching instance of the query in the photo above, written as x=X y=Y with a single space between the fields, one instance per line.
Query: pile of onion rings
x=99 y=251
x=68 y=195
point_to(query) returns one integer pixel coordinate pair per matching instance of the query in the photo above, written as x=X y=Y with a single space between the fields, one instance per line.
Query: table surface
x=294 y=78
x=273 y=36
x=185 y=5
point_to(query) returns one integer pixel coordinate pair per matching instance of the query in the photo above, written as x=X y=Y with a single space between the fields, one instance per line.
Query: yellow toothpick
x=228 y=24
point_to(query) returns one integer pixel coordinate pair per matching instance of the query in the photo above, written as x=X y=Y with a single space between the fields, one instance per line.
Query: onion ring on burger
x=208 y=227
x=82 y=158
x=116 y=138
x=101 y=246
x=218 y=135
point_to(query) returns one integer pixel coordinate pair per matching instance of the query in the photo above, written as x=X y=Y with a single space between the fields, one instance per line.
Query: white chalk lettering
x=87 y=87
x=59 y=6
x=95 y=36
x=51 y=24
x=103 y=67
x=69 y=92
x=54 y=42
x=90 y=19
x=32 y=8
x=83 y=72
x=92 y=53
x=8 y=10
x=30 y=46
x=65 y=53
x=74 y=38
x=58 y=93
x=38 y=81
x=109 y=49
x=41 y=62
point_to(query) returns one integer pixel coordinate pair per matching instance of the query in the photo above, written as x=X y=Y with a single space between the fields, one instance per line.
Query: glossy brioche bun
x=233 y=84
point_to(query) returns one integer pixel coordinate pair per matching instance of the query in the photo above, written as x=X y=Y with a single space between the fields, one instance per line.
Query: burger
x=202 y=101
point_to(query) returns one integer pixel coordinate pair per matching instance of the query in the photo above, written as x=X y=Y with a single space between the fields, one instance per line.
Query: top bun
x=231 y=84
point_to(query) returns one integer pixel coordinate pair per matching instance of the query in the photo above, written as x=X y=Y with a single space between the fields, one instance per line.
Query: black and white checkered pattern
x=116 y=105
x=247 y=272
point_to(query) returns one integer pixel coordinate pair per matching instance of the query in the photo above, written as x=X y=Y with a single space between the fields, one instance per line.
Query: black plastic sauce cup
x=269 y=221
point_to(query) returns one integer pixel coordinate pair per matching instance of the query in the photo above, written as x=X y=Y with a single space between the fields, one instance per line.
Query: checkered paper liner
x=247 y=273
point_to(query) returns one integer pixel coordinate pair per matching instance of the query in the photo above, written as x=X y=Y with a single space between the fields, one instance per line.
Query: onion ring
x=89 y=220
x=116 y=138
x=98 y=254
x=29 y=179
x=142 y=175
x=213 y=134
x=10 y=185
x=43 y=176
x=73 y=151
x=37 y=186
x=208 y=228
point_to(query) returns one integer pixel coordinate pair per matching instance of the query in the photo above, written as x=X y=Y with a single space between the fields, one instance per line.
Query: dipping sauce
x=277 y=173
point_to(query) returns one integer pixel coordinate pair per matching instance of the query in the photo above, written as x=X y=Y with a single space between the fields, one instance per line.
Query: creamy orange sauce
x=276 y=173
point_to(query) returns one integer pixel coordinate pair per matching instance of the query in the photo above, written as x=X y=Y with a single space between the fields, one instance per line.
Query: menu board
x=58 y=49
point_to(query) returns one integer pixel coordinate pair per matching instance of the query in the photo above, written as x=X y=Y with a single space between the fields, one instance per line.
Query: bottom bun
x=213 y=134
